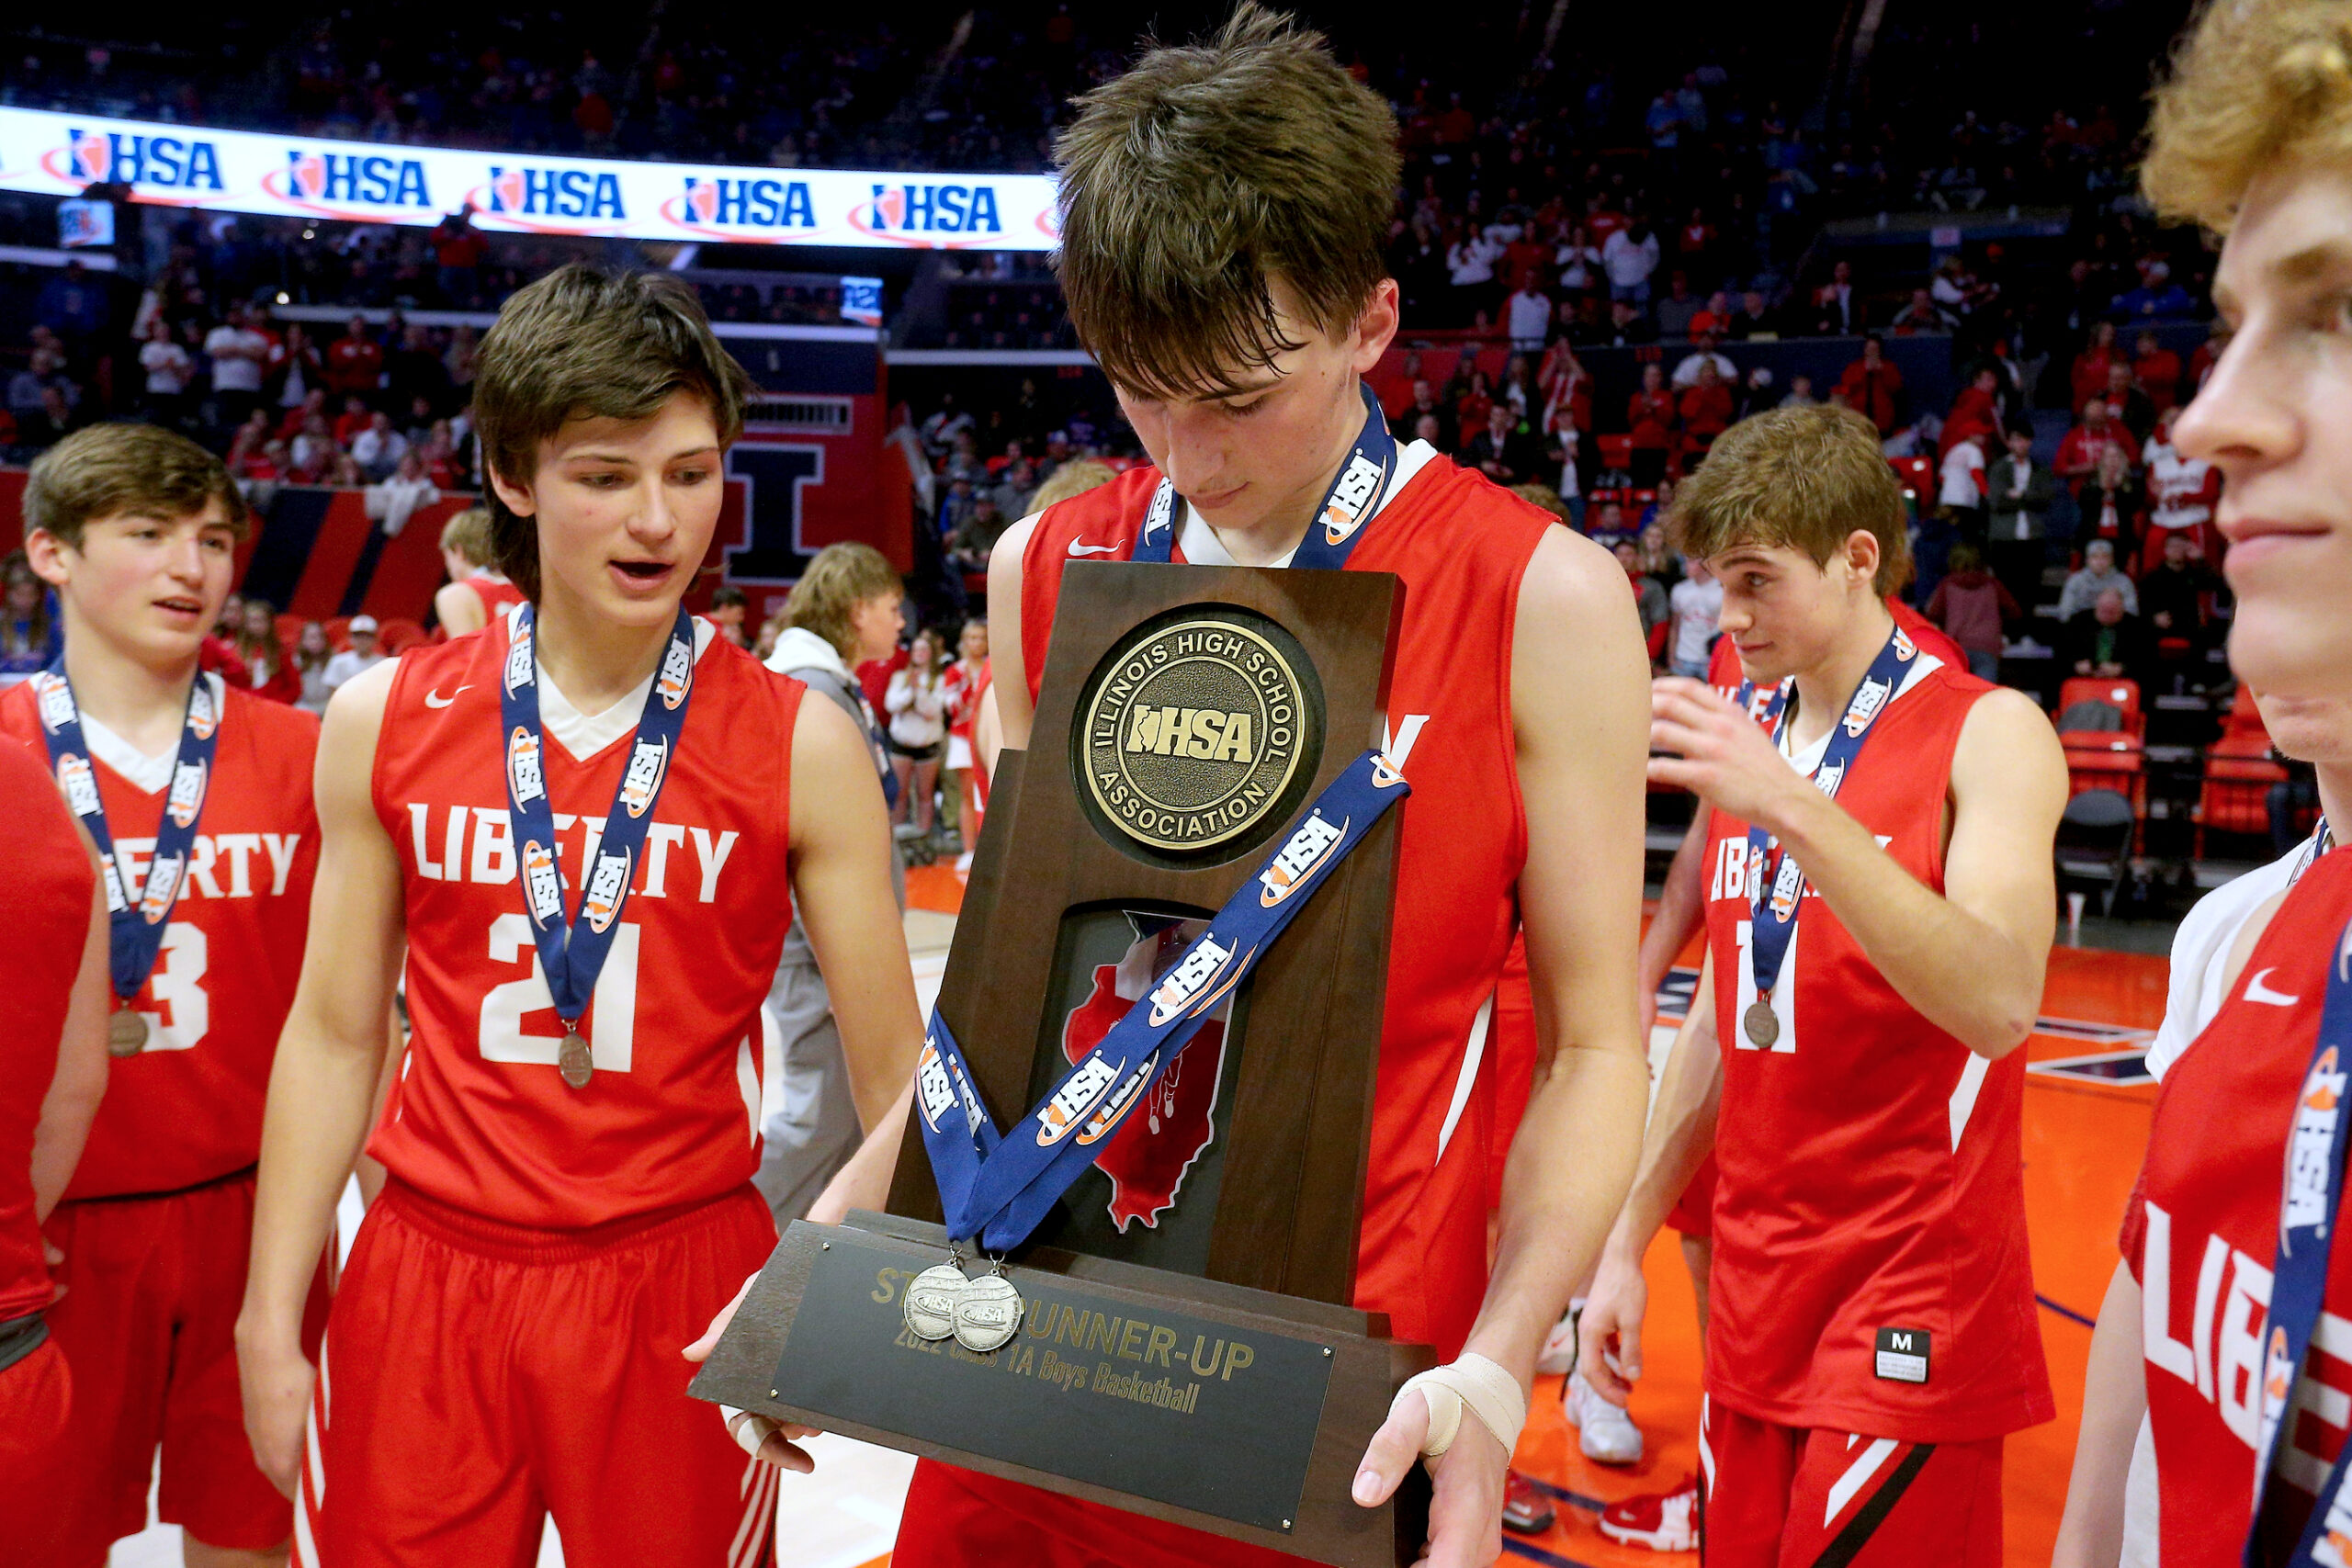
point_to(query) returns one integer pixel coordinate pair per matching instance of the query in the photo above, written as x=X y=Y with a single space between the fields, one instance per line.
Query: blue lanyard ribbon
x=2311 y=1192
x=1348 y=505
x=134 y=932
x=999 y=1186
x=572 y=953
x=1776 y=898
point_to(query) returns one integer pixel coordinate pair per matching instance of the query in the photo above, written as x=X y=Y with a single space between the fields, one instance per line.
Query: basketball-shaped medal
x=126 y=1032
x=574 y=1060
x=988 y=1313
x=931 y=1299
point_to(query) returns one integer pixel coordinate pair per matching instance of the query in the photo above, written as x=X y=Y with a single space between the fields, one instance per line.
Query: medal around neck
x=574 y=1061
x=126 y=1032
x=1775 y=880
x=135 y=926
x=572 y=950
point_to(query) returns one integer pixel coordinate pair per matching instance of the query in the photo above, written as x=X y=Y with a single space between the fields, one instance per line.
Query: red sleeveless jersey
x=1461 y=546
x=187 y=1109
x=481 y=1120
x=2203 y=1231
x=496 y=593
x=47 y=884
x=1871 y=1180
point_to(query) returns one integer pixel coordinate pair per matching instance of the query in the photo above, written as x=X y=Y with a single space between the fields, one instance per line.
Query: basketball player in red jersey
x=212 y=861
x=580 y=823
x=475 y=590
x=1872 y=1336
x=2245 y=1343
x=52 y=1072
x=1224 y=210
x=1680 y=913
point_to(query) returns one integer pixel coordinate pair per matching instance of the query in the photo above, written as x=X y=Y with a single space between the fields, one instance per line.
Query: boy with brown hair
x=198 y=795
x=1879 y=908
x=1225 y=209
x=577 y=826
x=2230 y=1315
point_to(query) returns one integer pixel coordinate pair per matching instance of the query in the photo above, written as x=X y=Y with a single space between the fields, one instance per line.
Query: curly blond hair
x=2254 y=85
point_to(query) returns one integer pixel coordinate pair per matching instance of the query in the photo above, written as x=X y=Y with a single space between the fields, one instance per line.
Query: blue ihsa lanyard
x=1331 y=537
x=2311 y=1193
x=572 y=952
x=134 y=932
x=1775 y=902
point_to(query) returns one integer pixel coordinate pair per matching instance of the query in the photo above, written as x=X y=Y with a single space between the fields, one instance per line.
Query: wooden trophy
x=1186 y=1350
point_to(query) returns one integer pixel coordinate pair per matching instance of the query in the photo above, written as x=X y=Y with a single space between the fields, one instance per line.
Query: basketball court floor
x=2086 y=1109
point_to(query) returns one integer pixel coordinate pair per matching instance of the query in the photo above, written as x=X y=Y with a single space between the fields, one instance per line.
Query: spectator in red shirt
x=1714 y=321
x=1650 y=416
x=2201 y=363
x=269 y=669
x=354 y=361
x=1527 y=262
x=1872 y=387
x=313 y=405
x=2129 y=406
x=2089 y=374
x=1706 y=408
x=355 y=418
x=1976 y=411
x=1565 y=385
x=2078 y=454
x=2158 y=369
x=1470 y=409
x=1697 y=244
x=1600 y=219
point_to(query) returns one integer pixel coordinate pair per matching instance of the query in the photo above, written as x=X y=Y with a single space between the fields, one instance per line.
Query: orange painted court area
x=2082 y=1143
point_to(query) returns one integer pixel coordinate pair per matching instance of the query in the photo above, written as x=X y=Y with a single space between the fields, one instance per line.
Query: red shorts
x=147 y=1322
x=1694 y=1212
x=958 y=1516
x=1789 y=1497
x=36 y=1395
x=479 y=1377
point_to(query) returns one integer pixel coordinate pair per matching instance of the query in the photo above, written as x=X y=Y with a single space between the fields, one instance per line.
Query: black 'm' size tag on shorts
x=1903 y=1355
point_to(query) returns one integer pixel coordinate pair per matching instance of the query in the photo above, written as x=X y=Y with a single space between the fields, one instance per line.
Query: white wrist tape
x=1492 y=1395
x=749 y=1428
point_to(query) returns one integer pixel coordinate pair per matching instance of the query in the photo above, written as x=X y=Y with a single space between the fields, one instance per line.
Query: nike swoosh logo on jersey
x=435 y=700
x=1078 y=549
x=2256 y=991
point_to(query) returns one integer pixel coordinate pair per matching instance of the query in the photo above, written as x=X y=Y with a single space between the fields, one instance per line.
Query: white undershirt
x=1808 y=761
x=1203 y=548
x=149 y=774
x=584 y=734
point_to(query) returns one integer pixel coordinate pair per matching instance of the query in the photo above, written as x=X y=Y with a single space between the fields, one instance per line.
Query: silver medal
x=574 y=1061
x=987 y=1314
x=932 y=1300
x=1762 y=1025
x=126 y=1032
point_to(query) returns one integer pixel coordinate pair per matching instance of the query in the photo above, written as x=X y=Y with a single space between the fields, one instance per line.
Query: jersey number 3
x=612 y=1013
